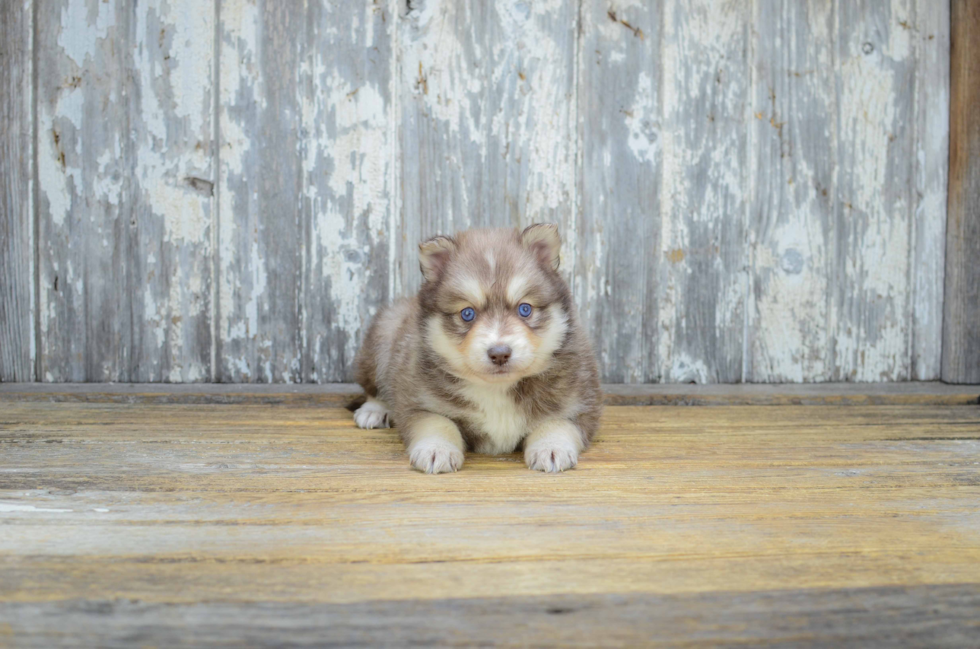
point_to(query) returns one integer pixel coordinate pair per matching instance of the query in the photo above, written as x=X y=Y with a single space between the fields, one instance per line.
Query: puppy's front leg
x=553 y=446
x=433 y=442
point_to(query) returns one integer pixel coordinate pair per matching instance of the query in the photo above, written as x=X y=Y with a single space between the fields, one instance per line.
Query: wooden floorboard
x=270 y=525
x=925 y=616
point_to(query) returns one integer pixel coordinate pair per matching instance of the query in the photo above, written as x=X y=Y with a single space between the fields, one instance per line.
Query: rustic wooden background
x=749 y=190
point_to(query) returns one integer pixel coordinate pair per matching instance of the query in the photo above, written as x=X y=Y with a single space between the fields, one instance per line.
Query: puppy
x=489 y=356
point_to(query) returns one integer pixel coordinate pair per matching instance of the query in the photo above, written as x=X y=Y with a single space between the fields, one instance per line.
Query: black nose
x=499 y=354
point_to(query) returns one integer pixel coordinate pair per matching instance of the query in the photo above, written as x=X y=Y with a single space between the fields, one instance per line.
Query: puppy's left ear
x=543 y=240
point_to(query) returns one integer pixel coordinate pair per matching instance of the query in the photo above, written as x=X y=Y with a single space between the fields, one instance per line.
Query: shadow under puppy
x=489 y=356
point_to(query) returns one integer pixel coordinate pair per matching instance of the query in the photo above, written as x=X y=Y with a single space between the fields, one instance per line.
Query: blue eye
x=467 y=314
x=524 y=310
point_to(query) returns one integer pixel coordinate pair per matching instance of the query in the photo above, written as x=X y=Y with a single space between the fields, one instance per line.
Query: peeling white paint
x=541 y=118
x=13 y=508
x=188 y=42
x=238 y=65
x=54 y=182
x=83 y=25
x=55 y=166
x=871 y=326
x=501 y=120
x=240 y=81
x=152 y=315
x=191 y=36
x=787 y=318
x=350 y=121
x=432 y=68
x=642 y=121
x=258 y=277
x=108 y=173
x=702 y=139
x=685 y=369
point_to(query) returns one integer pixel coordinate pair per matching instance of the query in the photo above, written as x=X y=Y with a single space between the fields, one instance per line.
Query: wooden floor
x=135 y=524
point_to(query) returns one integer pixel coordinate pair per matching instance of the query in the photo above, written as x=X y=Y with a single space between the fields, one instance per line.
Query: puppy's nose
x=499 y=354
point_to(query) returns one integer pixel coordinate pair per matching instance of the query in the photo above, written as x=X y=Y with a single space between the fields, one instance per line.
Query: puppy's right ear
x=434 y=255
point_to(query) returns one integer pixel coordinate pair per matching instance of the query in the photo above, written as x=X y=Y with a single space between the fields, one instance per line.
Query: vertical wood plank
x=702 y=278
x=124 y=124
x=442 y=62
x=961 y=318
x=486 y=94
x=85 y=236
x=871 y=290
x=306 y=209
x=346 y=86
x=173 y=190
x=261 y=185
x=793 y=139
x=618 y=229
x=16 y=192
x=931 y=37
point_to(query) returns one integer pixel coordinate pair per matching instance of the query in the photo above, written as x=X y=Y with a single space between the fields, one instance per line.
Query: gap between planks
x=341 y=394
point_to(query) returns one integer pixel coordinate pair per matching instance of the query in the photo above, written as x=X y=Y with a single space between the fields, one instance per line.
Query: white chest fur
x=497 y=416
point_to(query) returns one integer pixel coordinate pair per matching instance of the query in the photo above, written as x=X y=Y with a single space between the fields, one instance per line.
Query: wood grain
x=306 y=190
x=932 y=135
x=961 y=319
x=487 y=133
x=922 y=616
x=748 y=191
x=793 y=130
x=17 y=341
x=871 y=299
x=125 y=190
x=617 y=235
x=843 y=96
x=702 y=285
x=346 y=84
x=261 y=230
x=168 y=521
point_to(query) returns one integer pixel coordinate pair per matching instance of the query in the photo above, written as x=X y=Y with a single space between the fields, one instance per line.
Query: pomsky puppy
x=489 y=356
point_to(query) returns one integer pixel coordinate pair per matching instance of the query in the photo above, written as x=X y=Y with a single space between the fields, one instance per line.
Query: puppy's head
x=494 y=307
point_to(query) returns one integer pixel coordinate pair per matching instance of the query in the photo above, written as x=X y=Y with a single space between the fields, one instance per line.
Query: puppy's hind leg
x=373 y=414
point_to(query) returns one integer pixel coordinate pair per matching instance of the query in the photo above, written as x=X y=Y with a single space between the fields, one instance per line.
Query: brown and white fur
x=430 y=373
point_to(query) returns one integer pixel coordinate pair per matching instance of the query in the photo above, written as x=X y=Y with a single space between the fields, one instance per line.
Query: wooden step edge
x=342 y=394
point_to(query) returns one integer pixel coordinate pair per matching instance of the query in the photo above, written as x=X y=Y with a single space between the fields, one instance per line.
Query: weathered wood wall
x=749 y=190
x=961 y=323
x=17 y=318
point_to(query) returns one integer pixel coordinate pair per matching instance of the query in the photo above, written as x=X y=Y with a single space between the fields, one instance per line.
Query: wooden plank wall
x=749 y=190
x=125 y=204
x=961 y=326
x=17 y=319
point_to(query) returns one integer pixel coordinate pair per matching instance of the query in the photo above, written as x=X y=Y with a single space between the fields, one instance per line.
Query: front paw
x=373 y=414
x=435 y=456
x=551 y=458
